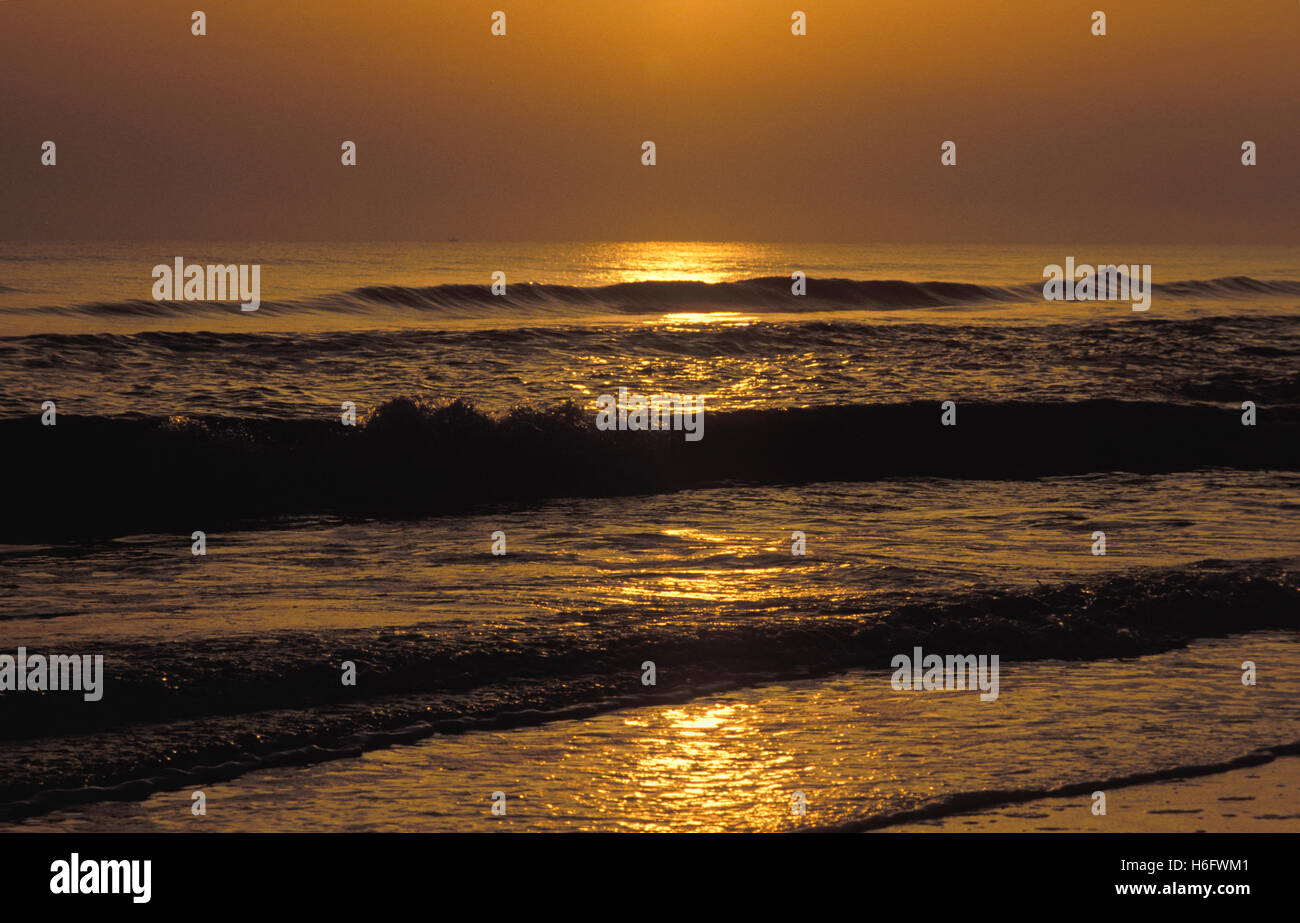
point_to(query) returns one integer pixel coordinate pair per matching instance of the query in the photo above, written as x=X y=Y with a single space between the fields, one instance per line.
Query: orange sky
x=1062 y=136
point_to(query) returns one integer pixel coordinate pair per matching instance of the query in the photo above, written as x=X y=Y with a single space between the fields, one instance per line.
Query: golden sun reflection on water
x=679 y=261
x=697 y=535
x=705 y=762
x=724 y=318
x=731 y=582
x=733 y=585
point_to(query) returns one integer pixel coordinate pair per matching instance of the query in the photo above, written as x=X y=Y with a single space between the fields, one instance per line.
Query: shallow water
x=236 y=655
x=719 y=555
x=731 y=762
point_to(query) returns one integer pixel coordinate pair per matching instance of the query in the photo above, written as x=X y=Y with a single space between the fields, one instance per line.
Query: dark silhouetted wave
x=90 y=477
x=410 y=458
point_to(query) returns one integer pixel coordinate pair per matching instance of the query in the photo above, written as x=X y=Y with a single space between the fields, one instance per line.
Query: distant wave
x=113 y=476
x=225 y=713
x=769 y=294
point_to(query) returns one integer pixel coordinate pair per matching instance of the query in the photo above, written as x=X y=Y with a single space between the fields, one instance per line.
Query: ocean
x=524 y=672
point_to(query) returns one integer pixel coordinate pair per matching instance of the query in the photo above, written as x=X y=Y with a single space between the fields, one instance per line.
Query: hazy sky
x=761 y=135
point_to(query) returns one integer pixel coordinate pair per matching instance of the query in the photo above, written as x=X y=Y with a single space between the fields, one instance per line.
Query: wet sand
x=1256 y=799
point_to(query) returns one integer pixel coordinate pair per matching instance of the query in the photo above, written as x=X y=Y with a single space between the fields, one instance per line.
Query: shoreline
x=864 y=756
x=1263 y=798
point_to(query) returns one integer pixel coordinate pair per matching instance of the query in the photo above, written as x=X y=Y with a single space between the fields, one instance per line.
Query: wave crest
x=769 y=294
